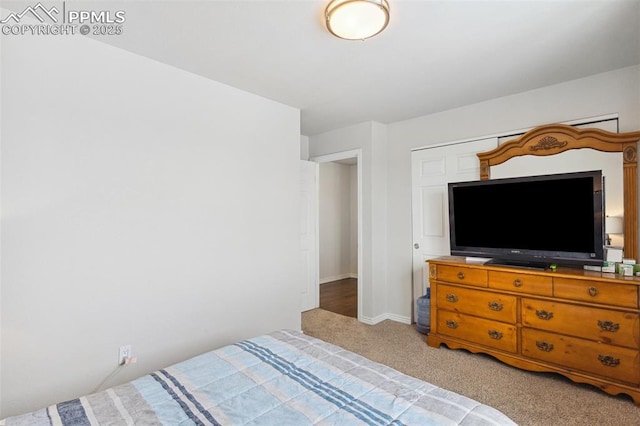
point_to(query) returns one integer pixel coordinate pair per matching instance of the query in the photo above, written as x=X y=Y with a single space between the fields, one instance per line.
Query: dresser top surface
x=560 y=272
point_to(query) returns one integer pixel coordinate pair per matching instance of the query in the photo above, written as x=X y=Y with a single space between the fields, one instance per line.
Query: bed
x=282 y=378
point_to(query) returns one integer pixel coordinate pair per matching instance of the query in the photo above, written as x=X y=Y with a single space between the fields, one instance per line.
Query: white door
x=310 y=291
x=431 y=170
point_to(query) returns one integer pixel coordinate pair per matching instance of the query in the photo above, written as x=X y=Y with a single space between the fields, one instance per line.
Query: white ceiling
x=433 y=56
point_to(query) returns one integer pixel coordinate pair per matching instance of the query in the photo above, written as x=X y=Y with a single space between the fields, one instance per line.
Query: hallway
x=340 y=297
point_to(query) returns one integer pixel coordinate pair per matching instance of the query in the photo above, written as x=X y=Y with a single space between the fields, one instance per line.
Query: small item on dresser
x=477 y=260
x=625 y=269
x=593 y=268
x=609 y=267
x=629 y=261
x=613 y=254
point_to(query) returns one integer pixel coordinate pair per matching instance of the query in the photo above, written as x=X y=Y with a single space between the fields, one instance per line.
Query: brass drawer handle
x=452 y=324
x=517 y=282
x=544 y=346
x=495 y=334
x=593 y=291
x=544 y=315
x=608 y=326
x=461 y=275
x=608 y=360
x=452 y=298
x=495 y=306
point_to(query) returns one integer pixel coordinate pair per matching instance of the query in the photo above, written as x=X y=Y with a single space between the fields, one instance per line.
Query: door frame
x=310 y=298
x=344 y=155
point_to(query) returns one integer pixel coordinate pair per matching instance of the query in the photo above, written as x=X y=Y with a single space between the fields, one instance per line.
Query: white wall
x=387 y=169
x=379 y=204
x=1 y=213
x=142 y=205
x=304 y=147
x=337 y=229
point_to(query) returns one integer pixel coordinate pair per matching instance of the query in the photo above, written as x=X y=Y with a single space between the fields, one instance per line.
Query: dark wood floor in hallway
x=340 y=297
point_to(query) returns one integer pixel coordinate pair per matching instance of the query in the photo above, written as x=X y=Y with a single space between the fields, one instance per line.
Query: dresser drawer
x=596 y=291
x=603 y=325
x=584 y=355
x=523 y=283
x=485 y=304
x=478 y=330
x=462 y=275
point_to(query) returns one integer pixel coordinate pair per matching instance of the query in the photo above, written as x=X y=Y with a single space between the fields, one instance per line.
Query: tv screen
x=529 y=221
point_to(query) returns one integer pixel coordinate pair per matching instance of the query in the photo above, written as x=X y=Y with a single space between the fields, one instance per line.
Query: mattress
x=282 y=378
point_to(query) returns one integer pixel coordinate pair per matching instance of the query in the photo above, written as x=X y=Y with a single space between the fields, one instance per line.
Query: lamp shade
x=613 y=225
x=357 y=19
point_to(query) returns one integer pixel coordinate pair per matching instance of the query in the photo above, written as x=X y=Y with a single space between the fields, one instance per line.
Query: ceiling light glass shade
x=357 y=19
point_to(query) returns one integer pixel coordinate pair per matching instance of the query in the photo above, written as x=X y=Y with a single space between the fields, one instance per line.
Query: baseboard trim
x=337 y=278
x=387 y=316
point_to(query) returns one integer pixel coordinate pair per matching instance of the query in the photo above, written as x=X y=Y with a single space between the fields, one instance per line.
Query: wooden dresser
x=584 y=325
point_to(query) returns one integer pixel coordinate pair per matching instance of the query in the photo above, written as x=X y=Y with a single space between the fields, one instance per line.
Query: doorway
x=340 y=297
x=339 y=233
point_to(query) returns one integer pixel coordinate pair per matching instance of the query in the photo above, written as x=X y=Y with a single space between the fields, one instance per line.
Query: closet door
x=431 y=170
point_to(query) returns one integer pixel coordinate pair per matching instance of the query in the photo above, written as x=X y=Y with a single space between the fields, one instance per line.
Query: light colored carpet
x=528 y=398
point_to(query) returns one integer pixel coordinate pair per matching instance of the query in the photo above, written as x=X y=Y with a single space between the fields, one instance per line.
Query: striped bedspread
x=283 y=378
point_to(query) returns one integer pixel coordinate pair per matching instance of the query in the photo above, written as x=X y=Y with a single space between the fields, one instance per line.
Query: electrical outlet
x=123 y=354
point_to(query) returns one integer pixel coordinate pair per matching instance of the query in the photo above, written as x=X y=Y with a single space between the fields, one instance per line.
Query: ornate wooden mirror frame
x=556 y=138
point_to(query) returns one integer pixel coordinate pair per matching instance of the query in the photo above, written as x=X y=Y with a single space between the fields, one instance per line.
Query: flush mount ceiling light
x=357 y=19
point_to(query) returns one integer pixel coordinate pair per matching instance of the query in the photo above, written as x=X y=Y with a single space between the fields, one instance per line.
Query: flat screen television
x=532 y=221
